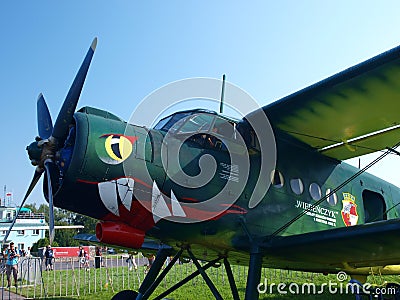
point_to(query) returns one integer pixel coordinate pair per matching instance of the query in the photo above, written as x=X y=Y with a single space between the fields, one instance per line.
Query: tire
x=125 y=295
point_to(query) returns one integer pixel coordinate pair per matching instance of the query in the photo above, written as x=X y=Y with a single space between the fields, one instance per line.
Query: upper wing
x=365 y=245
x=348 y=114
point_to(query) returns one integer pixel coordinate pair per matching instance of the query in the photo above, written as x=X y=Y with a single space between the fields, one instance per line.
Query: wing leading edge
x=352 y=113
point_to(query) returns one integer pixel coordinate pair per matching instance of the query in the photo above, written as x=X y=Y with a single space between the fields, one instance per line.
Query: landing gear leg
x=254 y=274
x=207 y=279
x=158 y=263
x=231 y=279
x=153 y=278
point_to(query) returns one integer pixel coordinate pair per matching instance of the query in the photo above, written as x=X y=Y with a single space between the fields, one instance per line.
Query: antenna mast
x=221 y=106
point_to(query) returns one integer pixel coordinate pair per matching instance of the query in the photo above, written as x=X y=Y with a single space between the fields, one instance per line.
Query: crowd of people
x=10 y=256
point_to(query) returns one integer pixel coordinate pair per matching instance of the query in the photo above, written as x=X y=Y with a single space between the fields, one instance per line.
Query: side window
x=332 y=199
x=277 y=179
x=315 y=191
x=297 y=186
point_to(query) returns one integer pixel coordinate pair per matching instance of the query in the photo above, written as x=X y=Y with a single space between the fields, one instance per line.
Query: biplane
x=297 y=206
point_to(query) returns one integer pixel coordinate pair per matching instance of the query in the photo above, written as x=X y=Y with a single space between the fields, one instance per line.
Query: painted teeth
x=124 y=187
x=159 y=208
x=108 y=194
x=177 y=209
x=125 y=191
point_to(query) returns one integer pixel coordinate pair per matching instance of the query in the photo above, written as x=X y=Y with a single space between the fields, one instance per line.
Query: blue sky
x=268 y=48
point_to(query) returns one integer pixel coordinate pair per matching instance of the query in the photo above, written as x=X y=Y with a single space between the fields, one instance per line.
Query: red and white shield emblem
x=349 y=210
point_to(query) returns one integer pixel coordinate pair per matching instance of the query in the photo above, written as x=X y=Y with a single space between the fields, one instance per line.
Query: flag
x=8 y=194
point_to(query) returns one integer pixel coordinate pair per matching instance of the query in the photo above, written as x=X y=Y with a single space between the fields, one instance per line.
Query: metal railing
x=71 y=277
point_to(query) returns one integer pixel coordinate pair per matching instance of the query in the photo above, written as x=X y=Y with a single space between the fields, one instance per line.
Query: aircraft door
x=374 y=206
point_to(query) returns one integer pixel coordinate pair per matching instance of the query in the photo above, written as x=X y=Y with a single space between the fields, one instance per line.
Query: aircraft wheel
x=125 y=295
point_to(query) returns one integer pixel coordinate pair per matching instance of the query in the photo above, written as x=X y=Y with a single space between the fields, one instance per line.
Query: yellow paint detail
x=365 y=271
x=124 y=147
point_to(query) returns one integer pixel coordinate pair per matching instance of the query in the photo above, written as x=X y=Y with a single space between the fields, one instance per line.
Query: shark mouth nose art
x=122 y=189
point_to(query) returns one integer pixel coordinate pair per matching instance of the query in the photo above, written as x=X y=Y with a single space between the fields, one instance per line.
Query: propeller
x=45 y=125
x=47 y=166
x=42 y=152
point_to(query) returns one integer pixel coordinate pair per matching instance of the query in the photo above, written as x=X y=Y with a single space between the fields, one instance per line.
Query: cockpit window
x=162 y=122
x=224 y=128
x=166 y=123
x=202 y=127
x=196 y=123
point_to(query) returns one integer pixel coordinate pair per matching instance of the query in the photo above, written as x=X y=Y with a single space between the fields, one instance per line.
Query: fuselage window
x=315 y=191
x=277 y=179
x=332 y=199
x=297 y=186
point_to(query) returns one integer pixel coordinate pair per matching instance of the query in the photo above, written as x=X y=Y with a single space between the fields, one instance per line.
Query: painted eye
x=117 y=147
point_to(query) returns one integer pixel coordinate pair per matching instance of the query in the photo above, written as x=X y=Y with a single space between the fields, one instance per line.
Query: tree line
x=64 y=237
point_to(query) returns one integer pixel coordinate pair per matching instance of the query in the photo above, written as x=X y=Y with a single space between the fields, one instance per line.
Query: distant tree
x=88 y=222
x=32 y=207
x=65 y=237
x=42 y=243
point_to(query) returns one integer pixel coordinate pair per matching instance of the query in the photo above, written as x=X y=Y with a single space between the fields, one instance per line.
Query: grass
x=103 y=283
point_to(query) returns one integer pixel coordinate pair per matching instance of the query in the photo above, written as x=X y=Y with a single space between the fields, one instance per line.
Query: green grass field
x=103 y=283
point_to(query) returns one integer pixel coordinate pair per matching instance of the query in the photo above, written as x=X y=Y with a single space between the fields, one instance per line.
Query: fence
x=72 y=278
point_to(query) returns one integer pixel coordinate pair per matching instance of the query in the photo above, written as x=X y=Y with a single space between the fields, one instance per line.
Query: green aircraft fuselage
x=116 y=172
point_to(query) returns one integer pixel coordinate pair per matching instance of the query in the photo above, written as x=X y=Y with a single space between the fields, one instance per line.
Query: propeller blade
x=47 y=166
x=65 y=116
x=45 y=125
x=36 y=177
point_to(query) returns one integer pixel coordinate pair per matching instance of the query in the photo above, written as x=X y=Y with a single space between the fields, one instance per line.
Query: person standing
x=4 y=254
x=150 y=264
x=83 y=258
x=12 y=264
x=49 y=257
x=131 y=262
x=28 y=253
x=99 y=256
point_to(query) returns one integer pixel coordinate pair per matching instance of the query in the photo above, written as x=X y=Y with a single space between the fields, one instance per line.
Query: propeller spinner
x=42 y=152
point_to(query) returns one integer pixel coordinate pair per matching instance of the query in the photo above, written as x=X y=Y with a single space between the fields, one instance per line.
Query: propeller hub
x=34 y=153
